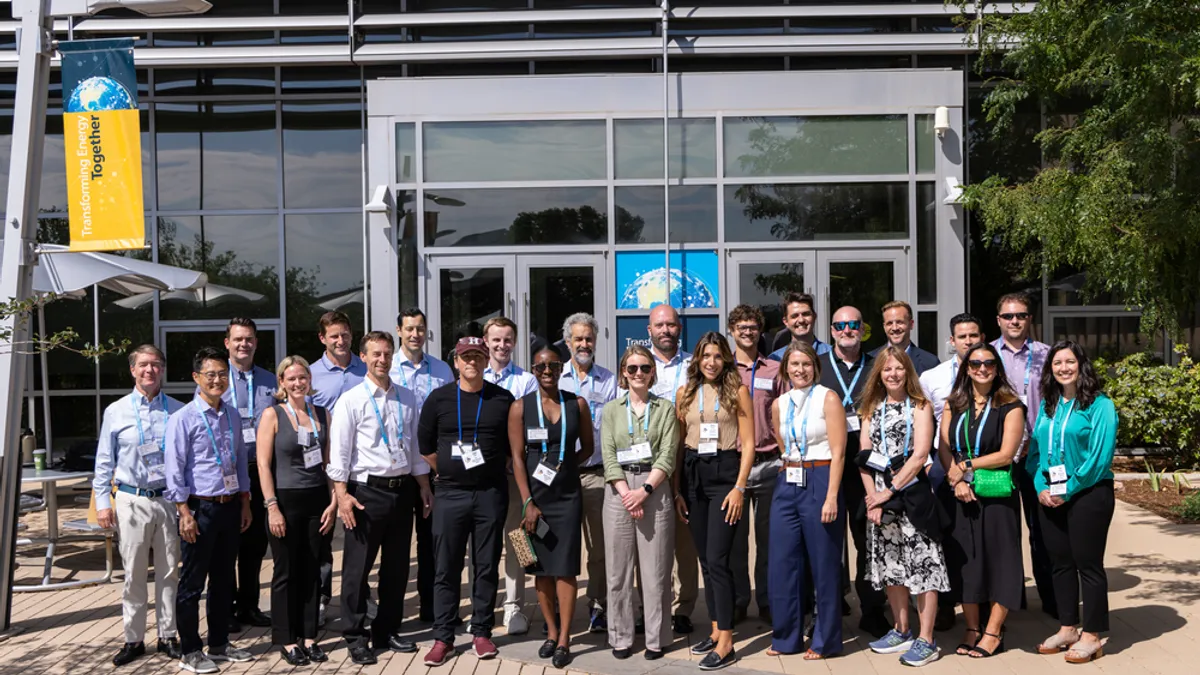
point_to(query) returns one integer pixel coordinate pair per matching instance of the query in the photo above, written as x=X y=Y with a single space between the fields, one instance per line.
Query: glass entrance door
x=864 y=279
x=466 y=292
x=763 y=280
x=180 y=340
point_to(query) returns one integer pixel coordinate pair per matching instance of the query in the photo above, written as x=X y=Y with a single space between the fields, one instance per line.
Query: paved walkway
x=1154 y=575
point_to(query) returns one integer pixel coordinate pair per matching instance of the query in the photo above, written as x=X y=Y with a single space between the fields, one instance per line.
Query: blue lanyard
x=753 y=372
x=508 y=374
x=791 y=422
x=700 y=403
x=579 y=383
x=629 y=420
x=137 y=415
x=908 y=427
x=959 y=435
x=383 y=427
x=477 y=412
x=249 y=389
x=416 y=379
x=675 y=386
x=213 y=437
x=312 y=421
x=847 y=398
x=1028 y=365
x=1062 y=433
x=562 y=424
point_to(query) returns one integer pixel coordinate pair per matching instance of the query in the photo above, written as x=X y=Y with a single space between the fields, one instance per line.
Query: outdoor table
x=49 y=479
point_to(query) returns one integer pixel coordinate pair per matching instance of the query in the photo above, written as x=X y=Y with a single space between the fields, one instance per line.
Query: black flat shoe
x=547 y=649
x=399 y=644
x=316 y=654
x=562 y=657
x=129 y=652
x=170 y=647
x=362 y=655
x=622 y=654
x=713 y=660
x=254 y=617
x=704 y=646
x=294 y=656
x=681 y=624
x=652 y=655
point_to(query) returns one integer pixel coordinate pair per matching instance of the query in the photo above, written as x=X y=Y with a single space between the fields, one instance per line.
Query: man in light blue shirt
x=209 y=483
x=339 y=369
x=799 y=318
x=131 y=453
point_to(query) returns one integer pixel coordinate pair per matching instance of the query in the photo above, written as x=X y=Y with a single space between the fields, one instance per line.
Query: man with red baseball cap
x=463 y=434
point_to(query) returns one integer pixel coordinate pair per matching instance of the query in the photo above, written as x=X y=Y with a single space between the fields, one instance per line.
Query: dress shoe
x=399 y=644
x=713 y=660
x=294 y=656
x=547 y=649
x=315 y=653
x=653 y=655
x=562 y=658
x=362 y=655
x=170 y=647
x=131 y=651
x=622 y=654
x=254 y=617
x=681 y=624
x=704 y=646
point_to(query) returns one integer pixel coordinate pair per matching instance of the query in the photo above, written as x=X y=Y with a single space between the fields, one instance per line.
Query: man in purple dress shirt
x=209 y=483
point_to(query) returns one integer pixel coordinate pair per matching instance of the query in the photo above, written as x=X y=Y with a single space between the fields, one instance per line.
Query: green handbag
x=993 y=483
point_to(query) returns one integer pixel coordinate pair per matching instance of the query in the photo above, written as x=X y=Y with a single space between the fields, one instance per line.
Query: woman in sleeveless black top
x=293 y=446
x=546 y=469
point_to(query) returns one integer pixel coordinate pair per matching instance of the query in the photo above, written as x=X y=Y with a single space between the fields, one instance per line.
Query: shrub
x=1190 y=508
x=1158 y=405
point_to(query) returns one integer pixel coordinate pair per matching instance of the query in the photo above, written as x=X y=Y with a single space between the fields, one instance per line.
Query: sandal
x=964 y=648
x=1056 y=643
x=978 y=652
x=1085 y=654
x=810 y=655
x=772 y=652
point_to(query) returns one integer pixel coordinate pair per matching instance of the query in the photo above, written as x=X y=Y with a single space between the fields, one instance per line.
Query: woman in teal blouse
x=1070 y=458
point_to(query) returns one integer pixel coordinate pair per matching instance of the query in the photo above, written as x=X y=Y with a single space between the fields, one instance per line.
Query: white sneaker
x=515 y=621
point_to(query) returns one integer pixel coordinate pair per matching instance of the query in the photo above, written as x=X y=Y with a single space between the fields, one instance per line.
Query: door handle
x=507 y=308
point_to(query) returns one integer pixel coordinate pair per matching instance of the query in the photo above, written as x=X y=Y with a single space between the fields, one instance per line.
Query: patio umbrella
x=208 y=294
x=336 y=301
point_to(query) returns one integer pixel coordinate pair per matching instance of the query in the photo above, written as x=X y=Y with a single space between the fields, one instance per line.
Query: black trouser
x=855 y=495
x=459 y=514
x=384 y=523
x=709 y=480
x=1076 y=535
x=759 y=490
x=210 y=558
x=327 y=566
x=295 y=578
x=252 y=547
x=425 y=560
x=1043 y=571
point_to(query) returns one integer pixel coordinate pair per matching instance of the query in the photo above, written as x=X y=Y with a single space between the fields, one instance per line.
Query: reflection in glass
x=469 y=298
x=1068 y=287
x=765 y=285
x=407 y=249
x=926 y=243
x=561 y=30
x=476 y=32
x=812 y=146
x=136 y=325
x=816 y=212
x=181 y=347
x=927 y=334
x=867 y=286
x=238 y=253
x=406 y=152
x=322 y=155
x=68 y=370
x=554 y=294
x=507 y=216
x=1108 y=337
x=544 y=150
x=926 y=147
x=324 y=255
x=74 y=421
x=639 y=150
x=214 y=81
x=640 y=214
x=216 y=156
x=320 y=80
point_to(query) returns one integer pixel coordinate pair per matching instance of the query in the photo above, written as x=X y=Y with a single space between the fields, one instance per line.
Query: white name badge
x=537 y=433
x=471 y=456
x=1025 y=400
x=312 y=457
x=1058 y=489
x=1058 y=473
x=709 y=430
x=231 y=483
x=633 y=455
x=244 y=413
x=764 y=383
x=877 y=461
x=707 y=448
x=397 y=453
x=852 y=422
x=795 y=476
x=456 y=448
x=544 y=474
x=157 y=472
x=248 y=435
x=147 y=450
x=303 y=437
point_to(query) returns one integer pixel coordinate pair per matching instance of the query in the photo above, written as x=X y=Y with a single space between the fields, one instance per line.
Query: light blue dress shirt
x=117 y=451
x=511 y=377
x=330 y=380
x=598 y=387
x=420 y=378
x=192 y=462
x=818 y=346
x=265 y=385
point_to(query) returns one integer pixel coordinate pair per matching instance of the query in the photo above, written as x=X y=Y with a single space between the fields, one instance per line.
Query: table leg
x=50 y=494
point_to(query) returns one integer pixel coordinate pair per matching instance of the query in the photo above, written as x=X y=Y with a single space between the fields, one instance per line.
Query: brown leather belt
x=219 y=499
x=808 y=465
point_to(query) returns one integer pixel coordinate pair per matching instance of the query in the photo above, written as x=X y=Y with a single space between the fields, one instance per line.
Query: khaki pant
x=514 y=574
x=594 y=491
x=653 y=539
x=687 y=569
x=144 y=523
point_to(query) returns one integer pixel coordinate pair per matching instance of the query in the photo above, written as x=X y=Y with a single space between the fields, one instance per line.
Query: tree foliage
x=1116 y=195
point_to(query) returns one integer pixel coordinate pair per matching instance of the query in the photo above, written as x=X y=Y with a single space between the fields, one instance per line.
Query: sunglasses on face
x=552 y=366
x=1020 y=316
x=847 y=325
x=632 y=369
x=982 y=363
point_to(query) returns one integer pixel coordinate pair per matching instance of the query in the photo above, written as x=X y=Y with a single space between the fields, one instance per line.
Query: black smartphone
x=543 y=528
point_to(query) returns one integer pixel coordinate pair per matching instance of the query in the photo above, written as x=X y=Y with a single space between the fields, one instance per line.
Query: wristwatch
x=648 y=488
x=740 y=489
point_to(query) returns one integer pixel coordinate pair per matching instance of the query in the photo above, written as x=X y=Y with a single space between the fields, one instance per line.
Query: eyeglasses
x=847 y=325
x=633 y=369
x=1019 y=316
x=214 y=375
x=982 y=363
x=552 y=366
x=746 y=328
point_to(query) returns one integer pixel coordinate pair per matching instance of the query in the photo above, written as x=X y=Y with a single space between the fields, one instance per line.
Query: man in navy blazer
x=898 y=325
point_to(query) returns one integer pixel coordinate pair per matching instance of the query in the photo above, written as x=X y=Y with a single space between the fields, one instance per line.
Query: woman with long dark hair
x=982 y=428
x=1070 y=459
x=717 y=426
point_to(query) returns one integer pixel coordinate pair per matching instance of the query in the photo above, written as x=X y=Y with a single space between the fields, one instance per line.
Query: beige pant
x=653 y=540
x=514 y=574
x=144 y=523
x=687 y=569
x=593 y=492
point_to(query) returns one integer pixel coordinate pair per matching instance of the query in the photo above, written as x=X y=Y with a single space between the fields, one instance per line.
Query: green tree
x=1115 y=195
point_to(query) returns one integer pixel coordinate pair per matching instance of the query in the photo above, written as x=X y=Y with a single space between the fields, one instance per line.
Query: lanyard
x=249 y=390
x=847 y=399
x=383 y=427
x=416 y=379
x=1062 y=433
x=645 y=420
x=700 y=403
x=791 y=422
x=562 y=423
x=312 y=421
x=137 y=415
x=213 y=437
x=959 y=435
x=507 y=372
x=675 y=386
x=1028 y=365
x=753 y=372
x=579 y=384
x=908 y=427
x=477 y=412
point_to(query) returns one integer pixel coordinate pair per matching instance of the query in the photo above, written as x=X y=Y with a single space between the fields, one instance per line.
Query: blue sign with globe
x=98 y=75
x=99 y=93
x=643 y=280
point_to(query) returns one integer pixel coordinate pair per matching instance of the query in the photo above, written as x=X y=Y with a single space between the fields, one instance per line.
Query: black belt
x=719 y=450
x=598 y=469
x=387 y=482
x=139 y=492
x=769 y=456
x=643 y=467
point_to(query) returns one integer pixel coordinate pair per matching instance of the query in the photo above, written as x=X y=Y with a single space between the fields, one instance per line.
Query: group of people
x=655 y=471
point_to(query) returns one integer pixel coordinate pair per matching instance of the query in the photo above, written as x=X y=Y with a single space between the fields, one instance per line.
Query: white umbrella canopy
x=339 y=300
x=64 y=272
x=209 y=294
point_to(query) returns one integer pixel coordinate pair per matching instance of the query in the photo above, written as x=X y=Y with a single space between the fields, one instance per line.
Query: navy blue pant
x=211 y=558
x=804 y=547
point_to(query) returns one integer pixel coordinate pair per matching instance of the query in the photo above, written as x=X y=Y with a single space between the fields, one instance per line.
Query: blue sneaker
x=920 y=653
x=894 y=642
x=596 y=621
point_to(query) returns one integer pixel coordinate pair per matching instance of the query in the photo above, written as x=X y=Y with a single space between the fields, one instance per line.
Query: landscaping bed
x=1168 y=502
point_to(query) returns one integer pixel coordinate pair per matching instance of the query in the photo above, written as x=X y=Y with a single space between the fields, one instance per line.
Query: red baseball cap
x=470 y=344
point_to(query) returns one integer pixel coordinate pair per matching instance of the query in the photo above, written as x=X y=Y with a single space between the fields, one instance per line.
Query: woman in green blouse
x=1070 y=459
x=639 y=435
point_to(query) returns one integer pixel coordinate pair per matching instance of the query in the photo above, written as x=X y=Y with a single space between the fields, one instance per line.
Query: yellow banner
x=104 y=180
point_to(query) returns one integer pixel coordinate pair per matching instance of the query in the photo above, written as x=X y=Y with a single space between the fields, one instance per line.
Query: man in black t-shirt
x=463 y=434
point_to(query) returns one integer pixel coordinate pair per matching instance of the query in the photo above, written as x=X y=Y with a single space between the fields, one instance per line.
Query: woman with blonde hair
x=293 y=448
x=905 y=520
x=714 y=409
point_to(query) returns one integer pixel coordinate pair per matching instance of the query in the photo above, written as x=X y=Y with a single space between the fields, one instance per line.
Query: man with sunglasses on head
x=844 y=370
x=799 y=320
x=1024 y=359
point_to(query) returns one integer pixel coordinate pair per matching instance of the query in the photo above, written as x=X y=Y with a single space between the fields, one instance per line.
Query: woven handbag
x=522 y=545
x=993 y=483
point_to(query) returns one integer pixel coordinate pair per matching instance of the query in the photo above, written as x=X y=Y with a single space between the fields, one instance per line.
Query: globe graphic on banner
x=96 y=94
x=650 y=289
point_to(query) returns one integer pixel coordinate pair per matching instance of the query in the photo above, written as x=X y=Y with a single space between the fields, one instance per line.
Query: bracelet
x=740 y=489
x=269 y=502
x=527 y=500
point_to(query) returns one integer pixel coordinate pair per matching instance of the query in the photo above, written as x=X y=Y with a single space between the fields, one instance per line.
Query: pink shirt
x=762 y=381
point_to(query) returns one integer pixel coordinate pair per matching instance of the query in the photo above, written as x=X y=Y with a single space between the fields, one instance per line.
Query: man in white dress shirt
x=378 y=475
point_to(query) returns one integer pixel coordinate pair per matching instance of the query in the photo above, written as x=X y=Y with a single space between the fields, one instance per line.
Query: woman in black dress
x=544 y=429
x=982 y=429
